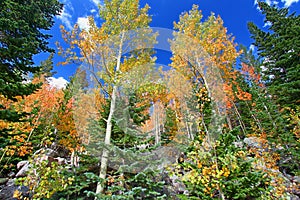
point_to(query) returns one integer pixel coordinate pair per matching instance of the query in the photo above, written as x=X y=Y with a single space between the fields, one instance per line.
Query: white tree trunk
x=105 y=153
x=191 y=132
x=157 y=122
x=187 y=130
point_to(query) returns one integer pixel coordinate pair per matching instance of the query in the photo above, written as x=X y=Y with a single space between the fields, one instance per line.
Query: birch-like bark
x=105 y=153
x=187 y=130
x=240 y=119
x=228 y=122
x=191 y=132
x=156 y=125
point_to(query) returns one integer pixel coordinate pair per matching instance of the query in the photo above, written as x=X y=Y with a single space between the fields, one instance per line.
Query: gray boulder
x=25 y=166
x=7 y=192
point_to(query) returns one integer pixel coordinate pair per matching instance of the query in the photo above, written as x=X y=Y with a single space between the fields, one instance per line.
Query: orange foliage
x=232 y=95
x=241 y=95
x=229 y=95
x=251 y=75
x=86 y=107
x=267 y=161
x=44 y=107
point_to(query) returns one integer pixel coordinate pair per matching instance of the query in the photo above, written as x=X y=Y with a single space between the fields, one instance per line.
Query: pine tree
x=22 y=37
x=261 y=115
x=133 y=118
x=46 y=67
x=279 y=48
x=22 y=25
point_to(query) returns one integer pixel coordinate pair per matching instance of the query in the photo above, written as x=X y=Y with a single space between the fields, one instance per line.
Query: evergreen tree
x=21 y=37
x=126 y=121
x=279 y=47
x=46 y=67
x=261 y=112
x=170 y=126
x=261 y=115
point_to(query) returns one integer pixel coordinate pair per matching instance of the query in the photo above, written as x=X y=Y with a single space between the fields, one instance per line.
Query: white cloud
x=263 y=68
x=93 y=10
x=67 y=4
x=287 y=3
x=83 y=23
x=66 y=14
x=267 y=24
x=252 y=47
x=65 y=18
x=269 y=2
x=96 y=2
x=59 y=83
x=271 y=76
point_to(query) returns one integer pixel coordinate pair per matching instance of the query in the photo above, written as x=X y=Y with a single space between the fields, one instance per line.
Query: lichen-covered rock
x=253 y=142
x=22 y=163
x=24 y=170
x=3 y=181
x=7 y=191
x=47 y=152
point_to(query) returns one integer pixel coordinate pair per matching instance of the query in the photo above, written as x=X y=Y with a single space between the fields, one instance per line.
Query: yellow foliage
x=17 y=194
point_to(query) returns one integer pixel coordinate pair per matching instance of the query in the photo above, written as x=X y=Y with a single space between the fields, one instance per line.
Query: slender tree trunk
x=191 y=132
x=105 y=153
x=269 y=115
x=267 y=110
x=240 y=119
x=156 y=120
x=228 y=121
x=256 y=119
x=188 y=126
x=187 y=129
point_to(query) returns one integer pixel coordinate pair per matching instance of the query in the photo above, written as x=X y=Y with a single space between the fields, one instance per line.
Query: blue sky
x=235 y=14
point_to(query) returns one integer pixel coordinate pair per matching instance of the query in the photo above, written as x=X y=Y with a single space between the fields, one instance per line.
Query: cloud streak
x=251 y=48
x=287 y=3
x=96 y=2
x=267 y=24
x=66 y=14
x=66 y=18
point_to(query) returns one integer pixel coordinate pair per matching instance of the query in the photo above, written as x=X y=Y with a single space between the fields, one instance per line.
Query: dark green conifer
x=279 y=47
x=22 y=25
